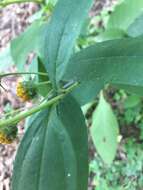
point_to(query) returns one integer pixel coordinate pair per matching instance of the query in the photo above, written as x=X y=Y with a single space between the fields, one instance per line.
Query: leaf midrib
x=106 y=57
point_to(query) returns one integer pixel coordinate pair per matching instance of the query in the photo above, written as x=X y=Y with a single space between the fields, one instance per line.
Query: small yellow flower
x=4 y=139
x=8 y=135
x=25 y=90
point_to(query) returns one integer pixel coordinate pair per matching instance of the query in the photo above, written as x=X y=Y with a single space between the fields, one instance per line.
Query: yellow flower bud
x=4 y=139
x=25 y=90
x=8 y=135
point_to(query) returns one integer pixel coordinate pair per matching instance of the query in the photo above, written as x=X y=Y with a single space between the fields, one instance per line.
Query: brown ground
x=13 y=20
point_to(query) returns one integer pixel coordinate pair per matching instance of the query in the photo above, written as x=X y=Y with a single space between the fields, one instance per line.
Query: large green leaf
x=125 y=14
x=29 y=41
x=53 y=152
x=72 y=118
x=104 y=131
x=115 y=61
x=62 y=32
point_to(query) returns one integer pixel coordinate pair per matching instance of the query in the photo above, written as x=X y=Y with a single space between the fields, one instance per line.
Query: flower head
x=8 y=135
x=26 y=90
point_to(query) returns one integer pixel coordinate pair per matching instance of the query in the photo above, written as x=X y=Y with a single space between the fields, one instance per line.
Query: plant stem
x=24 y=114
x=42 y=83
x=8 y=2
x=23 y=73
x=11 y=113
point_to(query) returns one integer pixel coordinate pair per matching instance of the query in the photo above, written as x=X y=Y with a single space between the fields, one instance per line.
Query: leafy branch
x=24 y=114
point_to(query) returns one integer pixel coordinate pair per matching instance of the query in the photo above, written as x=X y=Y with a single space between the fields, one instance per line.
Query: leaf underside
x=62 y=32
x=53 y=152
x=104 y=131
x=115 y=62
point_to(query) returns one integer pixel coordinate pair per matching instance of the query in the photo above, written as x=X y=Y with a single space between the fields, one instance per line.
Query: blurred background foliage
x=126 y=170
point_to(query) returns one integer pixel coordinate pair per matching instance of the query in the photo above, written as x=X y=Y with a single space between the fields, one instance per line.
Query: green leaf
x=136 y=28
x=53 y=152
x=29 y=137
x=125 y=14
x=86 y=107
x=62 y=33
x=30 y=41
x=132 y=101
x=138 y=90
x=46 y=88
x=104 y=131
x=110 y=34
x=51 y=1
x=5 y=59
x=116 y=61
x=71 y=116
x=36 y=16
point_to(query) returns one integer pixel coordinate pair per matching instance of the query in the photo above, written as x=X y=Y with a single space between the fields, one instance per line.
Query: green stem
x=42 y=83
x=23 y=73
x=11 y=113
x=8 y=2
x=24 y=114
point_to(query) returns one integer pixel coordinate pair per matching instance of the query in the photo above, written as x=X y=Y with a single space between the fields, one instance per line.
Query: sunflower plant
x=53 y=154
